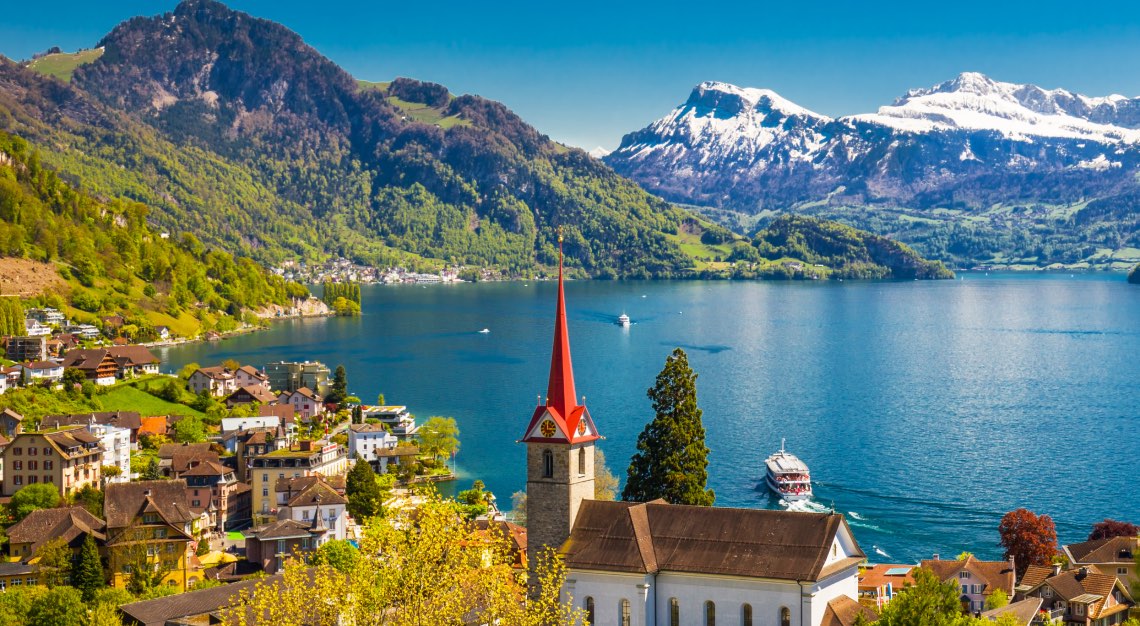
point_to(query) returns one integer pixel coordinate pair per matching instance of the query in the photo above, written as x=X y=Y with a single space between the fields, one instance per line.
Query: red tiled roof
x=996 y=574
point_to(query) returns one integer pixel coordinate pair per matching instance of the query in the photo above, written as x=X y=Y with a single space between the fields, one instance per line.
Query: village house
x=176 y=458
x=515 y=535
x=97 y=365
x=271 y=544
x=162 y=332
x=1024 y=612
x=216 y=381
x=214 y=488
x=111 y=324
x=134 y=361
x=307 y=458
x=72 y=524
x=250 y=394
x=4 y=381
x=11 y=423
x=977 y=579
x=306 y=404
x=378 y=447
x=66 y=459
x=18 y=574
x=254 y=442
x=318 y=500
x=12 y=376
x=26 y=348
x=879 y=583
x=36 y=372
x=397 y=418
x=148 y=525
x=1115 y=556
x=231 y=425
x=47 y=316
x=1082 y=596
x=250 y=376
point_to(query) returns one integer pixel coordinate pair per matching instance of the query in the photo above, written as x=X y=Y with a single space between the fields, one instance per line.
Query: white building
x=234 y=424
x=654 y=563
x=401 y=423
x=41 y=372
x=36 y=329
x=249 y=376
x=116 y=444
x=372 y=443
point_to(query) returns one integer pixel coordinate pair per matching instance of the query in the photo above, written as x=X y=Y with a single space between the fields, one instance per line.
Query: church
x=660 y=564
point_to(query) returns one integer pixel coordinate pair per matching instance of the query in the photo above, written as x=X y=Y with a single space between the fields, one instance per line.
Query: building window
x=710 y=613
x=1122 y=571
x=963 y=574
x=1046 y=592
x=547 y=464
x=674 y=612
x=18 y=451
x=265 y=478
x=625 y=618
x=581 y=461
x=746 y=614
x=590 y=609
x=47 y=451
x=33 y=480
x=47 y=465
x=17 y=465
x=19 y=480
x=1078 y=609
x=785 y=616
x=32 y=465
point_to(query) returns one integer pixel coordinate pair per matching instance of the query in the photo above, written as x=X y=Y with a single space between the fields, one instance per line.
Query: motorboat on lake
x=788 y=476
x=623 y=320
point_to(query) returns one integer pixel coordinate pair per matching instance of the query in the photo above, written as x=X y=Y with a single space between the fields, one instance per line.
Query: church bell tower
x=559 y=446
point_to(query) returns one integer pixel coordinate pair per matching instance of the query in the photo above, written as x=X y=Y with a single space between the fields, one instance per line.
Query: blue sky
x=587 y=72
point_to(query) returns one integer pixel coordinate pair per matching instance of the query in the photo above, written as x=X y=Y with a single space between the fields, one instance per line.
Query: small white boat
x=623 y=320
x=788 y=476
x=485 y=331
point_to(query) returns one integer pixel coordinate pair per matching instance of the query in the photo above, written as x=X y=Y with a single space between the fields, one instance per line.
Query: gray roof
x=159 y=611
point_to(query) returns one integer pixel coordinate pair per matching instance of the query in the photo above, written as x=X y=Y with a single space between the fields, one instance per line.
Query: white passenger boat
x=623 y=320
x=788 y=476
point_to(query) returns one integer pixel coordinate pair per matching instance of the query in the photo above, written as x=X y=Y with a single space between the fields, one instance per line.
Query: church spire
x=560 y=393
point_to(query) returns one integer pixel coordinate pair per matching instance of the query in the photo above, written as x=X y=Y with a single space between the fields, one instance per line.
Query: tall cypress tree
x=671 y=461
x=87 y=572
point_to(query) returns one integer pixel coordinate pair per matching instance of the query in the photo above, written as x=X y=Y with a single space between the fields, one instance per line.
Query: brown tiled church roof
x=655 y=536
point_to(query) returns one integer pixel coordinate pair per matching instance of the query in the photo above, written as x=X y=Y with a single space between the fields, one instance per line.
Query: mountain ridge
x=971 y=146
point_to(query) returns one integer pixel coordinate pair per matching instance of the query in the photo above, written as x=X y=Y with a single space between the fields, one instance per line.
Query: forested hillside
x=234 y=127
x=850 y=253
x=114 y=263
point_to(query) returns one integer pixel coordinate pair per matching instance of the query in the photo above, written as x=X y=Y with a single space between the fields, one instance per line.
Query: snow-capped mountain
x=971 y=141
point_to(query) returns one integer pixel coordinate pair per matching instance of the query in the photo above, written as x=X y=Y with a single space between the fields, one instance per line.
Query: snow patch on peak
x=711 y=92
x=598 y=152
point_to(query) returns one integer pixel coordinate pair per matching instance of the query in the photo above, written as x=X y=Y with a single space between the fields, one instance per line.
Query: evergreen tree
x=1134 y=275
x=671 y=461
x=362 y=490
x=338 y=391
x=152 y=472
x=87 y=571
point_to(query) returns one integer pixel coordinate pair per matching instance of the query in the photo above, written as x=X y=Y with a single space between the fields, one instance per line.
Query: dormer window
x=963 y=575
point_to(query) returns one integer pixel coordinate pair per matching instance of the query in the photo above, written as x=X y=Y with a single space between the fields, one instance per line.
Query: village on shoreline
x=236 y=471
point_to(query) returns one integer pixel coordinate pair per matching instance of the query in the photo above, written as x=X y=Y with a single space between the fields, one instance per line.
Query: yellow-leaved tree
x=424 y=566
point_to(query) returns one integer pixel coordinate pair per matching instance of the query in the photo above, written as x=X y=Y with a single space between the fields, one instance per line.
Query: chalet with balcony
x=67 y=459
x=148 y=525
x=976 y=579
x=1083 y=596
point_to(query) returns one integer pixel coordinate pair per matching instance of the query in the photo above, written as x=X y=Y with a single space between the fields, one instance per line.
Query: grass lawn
x=123 y=397
x=428 y=115
x=63 y=65
x=234 y=535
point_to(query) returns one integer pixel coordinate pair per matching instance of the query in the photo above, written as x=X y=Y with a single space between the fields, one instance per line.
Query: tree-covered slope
x=233 y=126
x=114 y=263
x=1134 y=275
x=847 y=252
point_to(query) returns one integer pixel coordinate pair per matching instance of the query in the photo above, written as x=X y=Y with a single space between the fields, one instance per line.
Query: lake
x=925 y=410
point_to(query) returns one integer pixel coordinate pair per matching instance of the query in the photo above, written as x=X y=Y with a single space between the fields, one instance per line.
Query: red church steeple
x=570 y=420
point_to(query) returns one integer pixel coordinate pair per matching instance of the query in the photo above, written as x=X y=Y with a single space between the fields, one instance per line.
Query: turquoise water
x=924 y=409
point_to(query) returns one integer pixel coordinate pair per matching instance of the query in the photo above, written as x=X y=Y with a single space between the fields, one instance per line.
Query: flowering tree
x=1111 y=528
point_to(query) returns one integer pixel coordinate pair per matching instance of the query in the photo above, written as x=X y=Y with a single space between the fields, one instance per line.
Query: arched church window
x=625 y=617
x=674 y=612
x=581 y=461
x=590 y=609
x=785 y=616
x=710 y=613
x=746 y=614
x=547 y=464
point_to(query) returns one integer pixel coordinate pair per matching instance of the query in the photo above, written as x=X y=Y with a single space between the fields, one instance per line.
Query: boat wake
x=881 y=552
x=855 y=515
x=805 y=506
